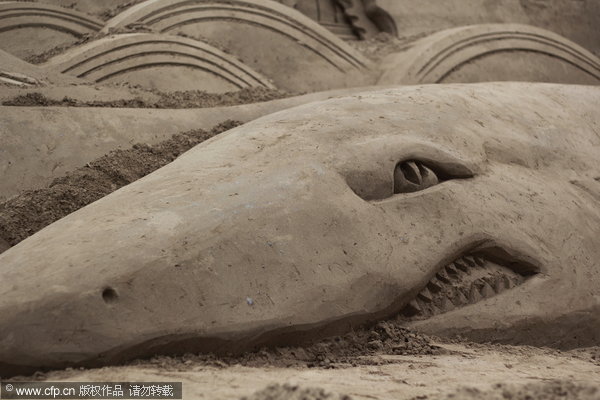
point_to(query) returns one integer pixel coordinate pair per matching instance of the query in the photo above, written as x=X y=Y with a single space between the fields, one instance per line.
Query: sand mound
x=176 y=100
x=361 y=347
x=27 y=213
x=294 y=392
x=554 y=390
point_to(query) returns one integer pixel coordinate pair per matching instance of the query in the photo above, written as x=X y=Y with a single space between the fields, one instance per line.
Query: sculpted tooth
x=443 y=276
x=495 y=283
x=425 y=295
x=474 y=295
x=517 y=280
x=415 y=307
x=434 y=285
x=462 y=265
x=508 y=283
x=487 y=291
x=460 y=299
x=451 y=269
x=447 y=305
x=470 y=261
x=480 y=261
x=424 y=308
x=498 y=285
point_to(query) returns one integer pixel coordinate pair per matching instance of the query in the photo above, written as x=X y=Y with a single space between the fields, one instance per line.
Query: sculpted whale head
x=471 y=209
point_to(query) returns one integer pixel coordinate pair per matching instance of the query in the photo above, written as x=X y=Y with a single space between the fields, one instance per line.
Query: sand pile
x=177 y=99
x=554 y=390
x=23 y=215
x=293 y=392
x=350 y=350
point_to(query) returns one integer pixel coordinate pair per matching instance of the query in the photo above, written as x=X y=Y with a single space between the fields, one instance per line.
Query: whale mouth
x=475 y=276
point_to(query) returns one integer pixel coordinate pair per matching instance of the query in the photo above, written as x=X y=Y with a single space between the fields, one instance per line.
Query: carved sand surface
x=492 y=52
x=326 y=216
x=302 y=199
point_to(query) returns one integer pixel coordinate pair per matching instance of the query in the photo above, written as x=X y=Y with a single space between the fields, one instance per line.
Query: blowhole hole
x=109 y=295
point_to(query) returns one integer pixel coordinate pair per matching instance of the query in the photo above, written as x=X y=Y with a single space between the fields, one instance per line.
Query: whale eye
x=382 y=180
x=413 y=176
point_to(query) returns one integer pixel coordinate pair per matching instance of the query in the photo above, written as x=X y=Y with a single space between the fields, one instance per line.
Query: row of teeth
x=467 y=280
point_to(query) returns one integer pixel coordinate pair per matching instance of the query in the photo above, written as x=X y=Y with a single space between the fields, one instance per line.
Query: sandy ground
x=468 y=371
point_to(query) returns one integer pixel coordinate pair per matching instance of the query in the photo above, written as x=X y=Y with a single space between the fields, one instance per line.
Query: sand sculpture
x=349 y=19
x=294 y=51
x=576 y=20
x=42 y=26
x=268 y=43
x=158 y=62
x=492 y=52
x=324 y=216
x=462 y=209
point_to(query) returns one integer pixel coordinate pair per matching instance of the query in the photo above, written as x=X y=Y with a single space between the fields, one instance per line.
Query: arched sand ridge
x=282 y=43
x=28 y=28
x=533 y=54
x=163 y=62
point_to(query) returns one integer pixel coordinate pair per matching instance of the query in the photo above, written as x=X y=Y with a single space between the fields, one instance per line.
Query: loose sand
x=174 y=100
x=463 y=371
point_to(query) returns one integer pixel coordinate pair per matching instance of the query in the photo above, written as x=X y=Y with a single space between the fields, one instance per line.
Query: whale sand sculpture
x=321 y=217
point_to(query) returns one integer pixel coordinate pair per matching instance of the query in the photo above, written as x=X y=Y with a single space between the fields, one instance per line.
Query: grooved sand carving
x=435 y=58
x=27 y=28
x=17 y=79
x=112 y=58
x=16 y=14
x=286 y=46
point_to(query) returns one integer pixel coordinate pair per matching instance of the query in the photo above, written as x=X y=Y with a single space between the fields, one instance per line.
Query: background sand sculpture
x=574 y=19
x=492 y=52
x=211 y=229
x=348 y=19
x=154 y=61
x=28 y=28
x=158 y=62
x=281 y=43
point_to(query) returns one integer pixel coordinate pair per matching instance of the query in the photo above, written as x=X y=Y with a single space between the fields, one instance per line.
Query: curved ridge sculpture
x=122 y=57
x=65 y=24
x=282 y=43
x=16 y=71
x=435 y=58
x=16 y=14
x=415 y=199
